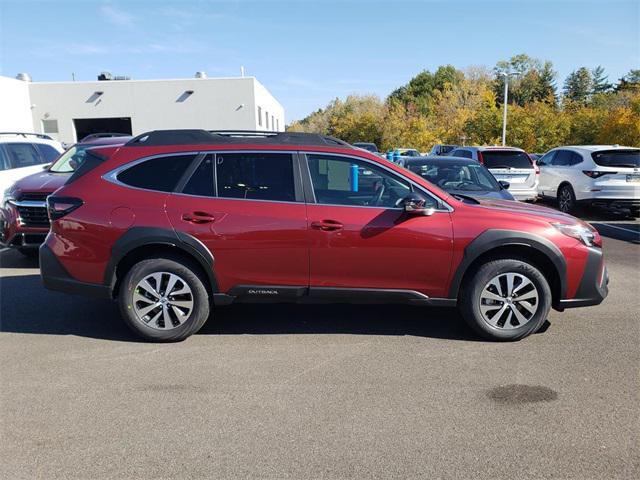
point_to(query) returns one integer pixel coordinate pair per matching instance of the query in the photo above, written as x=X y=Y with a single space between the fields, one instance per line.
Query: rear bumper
x=524 y=195
x=594 y=286
x=55 y=277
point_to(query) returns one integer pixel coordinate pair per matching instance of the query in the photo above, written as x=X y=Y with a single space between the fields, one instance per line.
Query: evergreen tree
x=600 y=83
x=578 y=85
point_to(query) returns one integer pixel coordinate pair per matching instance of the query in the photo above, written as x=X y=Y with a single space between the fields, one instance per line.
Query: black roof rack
x=195 y=137
x=25 y=134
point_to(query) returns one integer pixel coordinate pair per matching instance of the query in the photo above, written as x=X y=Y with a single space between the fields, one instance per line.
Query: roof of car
x=493 y=147
x=98 y=141
x=204 y=137
x=595 y=148
x=27 y=137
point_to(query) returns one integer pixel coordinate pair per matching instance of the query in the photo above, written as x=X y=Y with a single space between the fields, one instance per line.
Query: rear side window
x=47 y=152
x=256 y=176
x=160 y=173
x=506 y=159
x=461 y=153
x=89 y=162
x=617 y=158
x=202 y=181
x=23 y=155
x=4 y=160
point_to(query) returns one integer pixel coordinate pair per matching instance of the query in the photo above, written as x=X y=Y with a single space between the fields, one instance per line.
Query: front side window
x=160 y=173
x=4 y=160
x=348 y=181
x=23 y=155
x=255 y=176
x=546 y=159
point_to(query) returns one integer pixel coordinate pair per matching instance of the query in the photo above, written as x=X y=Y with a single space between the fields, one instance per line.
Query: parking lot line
x=620 y=228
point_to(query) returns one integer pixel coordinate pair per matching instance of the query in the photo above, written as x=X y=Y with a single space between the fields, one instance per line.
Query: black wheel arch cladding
x=496 y=238
x=137 y=237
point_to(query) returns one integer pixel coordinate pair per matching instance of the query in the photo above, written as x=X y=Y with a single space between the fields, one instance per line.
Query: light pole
x=504 y=112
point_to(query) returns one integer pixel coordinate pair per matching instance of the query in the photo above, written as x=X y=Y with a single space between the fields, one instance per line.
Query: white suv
x=593 y=175
x=22 y=154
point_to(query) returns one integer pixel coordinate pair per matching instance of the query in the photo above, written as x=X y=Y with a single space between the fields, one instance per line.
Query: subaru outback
x=175 y=223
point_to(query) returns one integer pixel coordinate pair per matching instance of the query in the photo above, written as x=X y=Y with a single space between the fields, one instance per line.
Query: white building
x=68 y=111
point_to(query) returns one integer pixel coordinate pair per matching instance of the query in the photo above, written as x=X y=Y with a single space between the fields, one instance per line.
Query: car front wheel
x=506 y=299
x=163 y=299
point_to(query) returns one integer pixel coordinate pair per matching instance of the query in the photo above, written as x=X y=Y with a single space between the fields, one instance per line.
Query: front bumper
x=594 y=286
x=55 y=277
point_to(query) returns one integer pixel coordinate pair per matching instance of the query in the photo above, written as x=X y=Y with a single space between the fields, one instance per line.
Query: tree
x=578 y=86
x=631 y=81
x=529 y=80
x=599 y=81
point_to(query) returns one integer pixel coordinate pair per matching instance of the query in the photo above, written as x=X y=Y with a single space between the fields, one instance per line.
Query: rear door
x=546 y=171
x=248 y=209
x=512 y=166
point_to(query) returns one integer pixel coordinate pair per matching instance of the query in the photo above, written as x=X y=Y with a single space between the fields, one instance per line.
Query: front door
x=361 y=238
x=247 y=208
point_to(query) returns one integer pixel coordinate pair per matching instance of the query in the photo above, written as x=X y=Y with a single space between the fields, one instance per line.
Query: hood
x=44 y=181
x=522 y=208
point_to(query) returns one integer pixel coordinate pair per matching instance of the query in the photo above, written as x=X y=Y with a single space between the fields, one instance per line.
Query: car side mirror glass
x=504 y=184
x=415 y=204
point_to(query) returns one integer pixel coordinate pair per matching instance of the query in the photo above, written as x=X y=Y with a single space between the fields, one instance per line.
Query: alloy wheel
x=163 y=301
x=508 y=301
x=565 y=200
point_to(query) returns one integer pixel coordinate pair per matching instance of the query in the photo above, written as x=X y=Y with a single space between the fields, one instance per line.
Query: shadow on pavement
x=28 y=308
x=626 y=232
x=14 y=259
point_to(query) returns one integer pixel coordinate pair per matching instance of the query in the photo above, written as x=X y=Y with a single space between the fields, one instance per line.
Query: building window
x=277 y=125
x=49 y=126
x=266 y=119
x=259 y=116
x=273 y=123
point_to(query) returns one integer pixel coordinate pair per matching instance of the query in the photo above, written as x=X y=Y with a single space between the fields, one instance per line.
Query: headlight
x=6 y=196
x=586 y=234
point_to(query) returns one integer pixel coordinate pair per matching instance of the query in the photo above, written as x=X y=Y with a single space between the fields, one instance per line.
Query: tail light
x=534 y=164
x=58 y=207
x=596 y=174
x=480 y=158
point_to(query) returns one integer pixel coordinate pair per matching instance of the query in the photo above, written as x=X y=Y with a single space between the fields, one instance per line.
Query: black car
x=458 y=176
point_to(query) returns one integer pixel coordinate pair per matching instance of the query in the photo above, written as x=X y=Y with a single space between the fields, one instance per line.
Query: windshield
x=450 y=176
x=367 y=146
x=70 y=160
x=505 y=159
x=409 y=153
x=617 y=158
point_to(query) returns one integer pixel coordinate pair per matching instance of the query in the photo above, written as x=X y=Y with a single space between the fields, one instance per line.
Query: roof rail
x=25 y=134
x=195 y=137
x=93 y=136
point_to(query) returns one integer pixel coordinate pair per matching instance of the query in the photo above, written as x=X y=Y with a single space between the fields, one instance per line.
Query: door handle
x=198 y=217
x=327 y=225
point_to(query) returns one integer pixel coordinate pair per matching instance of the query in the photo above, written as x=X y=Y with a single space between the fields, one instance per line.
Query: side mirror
x=504 y=184
x=46 y=166
x=414 y=204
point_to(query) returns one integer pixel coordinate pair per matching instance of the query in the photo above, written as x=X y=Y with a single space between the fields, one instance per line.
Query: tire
x=566 y=199
x=481 y=313
x=188 y=287
x=29 y=252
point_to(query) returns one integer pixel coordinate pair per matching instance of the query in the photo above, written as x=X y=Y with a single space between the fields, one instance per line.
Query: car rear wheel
x=164 y=300
x=506 y=299
x=566 y=199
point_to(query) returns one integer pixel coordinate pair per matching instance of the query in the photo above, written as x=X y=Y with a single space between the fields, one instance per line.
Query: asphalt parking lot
x=314 y=392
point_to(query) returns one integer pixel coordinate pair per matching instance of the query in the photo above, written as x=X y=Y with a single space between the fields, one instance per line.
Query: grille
x=34 y=216
x=34 y=196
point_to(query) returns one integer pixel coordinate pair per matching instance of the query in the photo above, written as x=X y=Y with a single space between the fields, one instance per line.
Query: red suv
x=174 y=223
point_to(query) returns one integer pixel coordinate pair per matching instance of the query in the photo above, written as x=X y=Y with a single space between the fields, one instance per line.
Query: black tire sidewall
x=572 y=205
x=185 y=271
x=470 y=307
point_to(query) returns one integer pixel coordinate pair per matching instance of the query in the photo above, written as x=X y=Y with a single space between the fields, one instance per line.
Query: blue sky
x=308 y=52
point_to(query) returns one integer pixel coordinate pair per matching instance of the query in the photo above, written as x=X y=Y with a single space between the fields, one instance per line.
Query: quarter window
x=348 y=181
x=256 y=176
x=160 y=173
